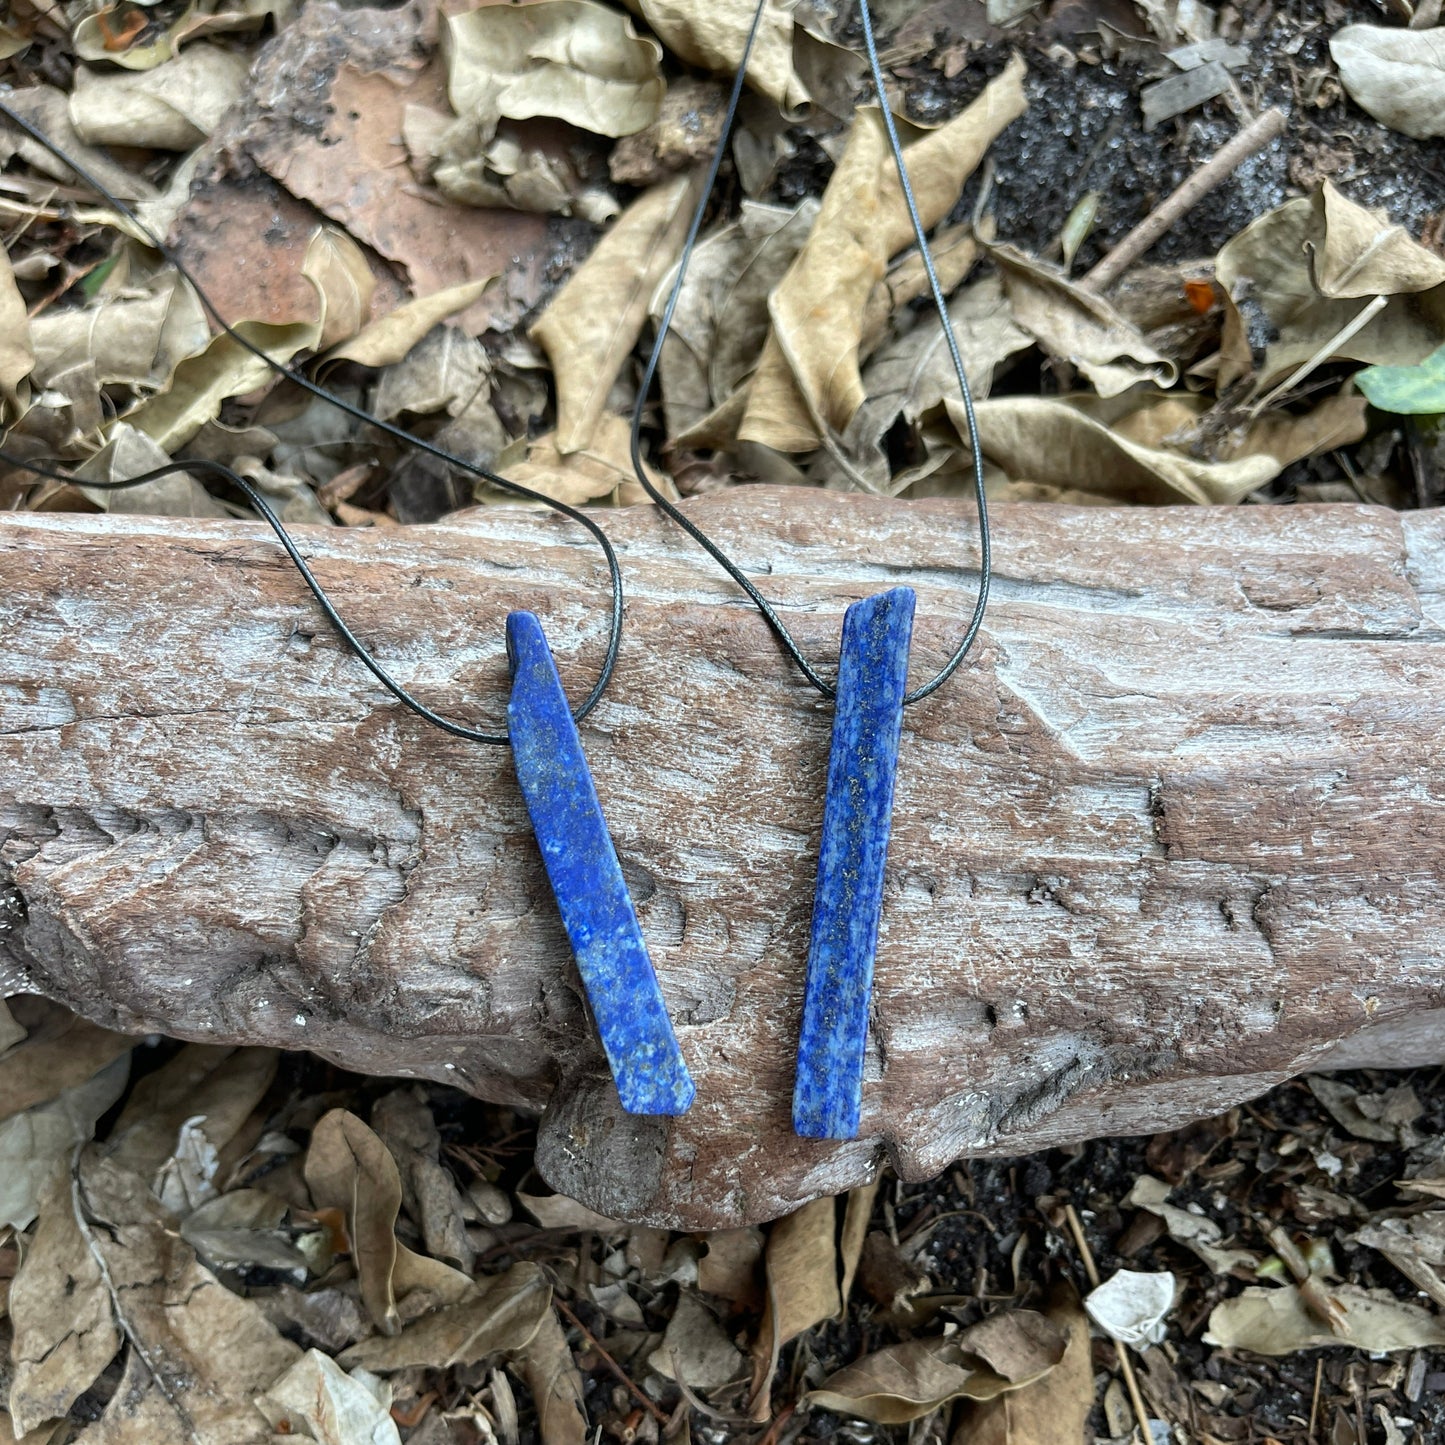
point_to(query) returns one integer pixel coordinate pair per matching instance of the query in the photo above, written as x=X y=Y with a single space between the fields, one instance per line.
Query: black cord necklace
x=576 y=847
x=780 y=629
x=198 y=467
x=869 y=697
x=578 y=853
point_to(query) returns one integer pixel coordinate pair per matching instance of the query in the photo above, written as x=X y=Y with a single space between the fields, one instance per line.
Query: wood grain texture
x=1177 y=831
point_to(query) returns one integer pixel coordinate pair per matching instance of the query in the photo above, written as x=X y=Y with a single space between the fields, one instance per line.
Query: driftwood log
x=1175 y=833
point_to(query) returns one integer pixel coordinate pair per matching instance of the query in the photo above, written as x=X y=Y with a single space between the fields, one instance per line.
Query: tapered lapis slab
x=586 y=880
x=857 y=818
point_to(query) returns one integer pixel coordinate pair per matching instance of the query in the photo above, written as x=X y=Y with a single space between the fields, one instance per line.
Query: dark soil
x=989 y=1234
x=1084 y=129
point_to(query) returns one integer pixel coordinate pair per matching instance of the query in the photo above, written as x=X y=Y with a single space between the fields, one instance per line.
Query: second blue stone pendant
x=857 y=819
x=587 y=882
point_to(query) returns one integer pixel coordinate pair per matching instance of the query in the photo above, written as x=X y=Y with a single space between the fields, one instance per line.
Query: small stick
x=1347 y=332
x=775 y=1429
x=652 y=1408
x=1254 y=137
x=1126 y=1367
x=1315 y=1402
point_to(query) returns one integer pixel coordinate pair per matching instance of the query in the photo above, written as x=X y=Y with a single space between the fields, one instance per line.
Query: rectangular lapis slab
x=857 y=819
x=587 y=882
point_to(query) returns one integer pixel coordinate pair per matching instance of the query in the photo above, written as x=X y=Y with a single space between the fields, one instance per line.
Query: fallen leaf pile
x=228 y=1244
x=476 y=215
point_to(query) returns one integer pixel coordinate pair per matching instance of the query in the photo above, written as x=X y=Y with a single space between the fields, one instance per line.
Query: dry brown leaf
x=445 y=371
x=388 y=339
x=336 y=266
x=93 y=35
x=1277 y=1321
x=61 y=1051
x=728 y=1264
x=711 y=35
x=334 y=1408
x=17 y=356
x=856 y=1214
x=955 y=251
x=1337 y=421
x=910 y=376
x=41 y=1435
x=201 y=383
x=213 y=1351
x=696 y=1348
x=242 y=1230
x=337 y=141
x=1045 y=440
x=557 y=1211
x=65 y=1329
x=525 y=166
x=212 y=1083
x=1398 y=76
x=600 y=470
x=130 y=453
x=173 y=108
x=12 y=1031
x=430 y=1194
x=48 y=110
x=556 y=1384
x=1301 y=276
x=887 y=1275
x=1359 y=252
x=802 y=1284
x=349 y=1168
x=1072 y=324
x=36 y=1145
x=593 y=323
x=129 y=341
x=574 y=59
x=1368 y=1116
x=721 y=319
x=1195 y=1231
x=1416 y=1236
x=1054 y=1410
x=905 y=1381
x=809 y=374
x=505 y=1314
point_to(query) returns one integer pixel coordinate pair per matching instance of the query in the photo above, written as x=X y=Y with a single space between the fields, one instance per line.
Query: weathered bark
x=1176 y=832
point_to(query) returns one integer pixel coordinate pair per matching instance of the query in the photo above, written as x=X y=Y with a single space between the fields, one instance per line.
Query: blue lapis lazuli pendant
x=857 y=817
x=587 y=883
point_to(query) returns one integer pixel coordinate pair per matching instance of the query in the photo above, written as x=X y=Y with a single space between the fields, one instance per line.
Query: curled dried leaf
x=574 y=59
x=1398 y=76
x=905 y=1381
x=505 y=1315
x=593 y=323
x=1279 y=1321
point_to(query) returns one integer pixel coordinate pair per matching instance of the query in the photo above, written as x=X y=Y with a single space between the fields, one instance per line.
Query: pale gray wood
x=1175 y=833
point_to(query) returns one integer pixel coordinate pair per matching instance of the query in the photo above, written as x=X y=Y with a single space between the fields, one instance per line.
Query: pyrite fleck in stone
x=857 y=816
x=586 y=880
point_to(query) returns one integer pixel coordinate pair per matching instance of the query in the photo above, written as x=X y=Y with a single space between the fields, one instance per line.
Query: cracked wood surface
x=1175 y=832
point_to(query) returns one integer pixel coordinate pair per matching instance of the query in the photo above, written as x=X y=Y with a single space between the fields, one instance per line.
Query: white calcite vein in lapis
x=857 y=817
x=586 y=880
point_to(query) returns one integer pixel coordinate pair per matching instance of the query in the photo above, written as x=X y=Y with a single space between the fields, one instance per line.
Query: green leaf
x=90 y=285
x=1411 y=390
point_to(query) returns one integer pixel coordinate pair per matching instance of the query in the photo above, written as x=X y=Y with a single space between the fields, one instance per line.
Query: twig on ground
x=1126 y=1366
x=775 y=1429
x=1352 y=328
x=1254 y=137
x=647 y=1403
